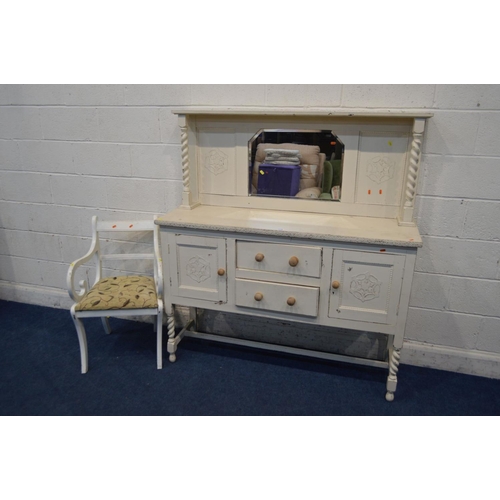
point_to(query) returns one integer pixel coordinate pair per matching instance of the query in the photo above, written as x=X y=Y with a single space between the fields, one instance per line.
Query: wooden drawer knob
x=291 y=301
x=258 y=296
x=221 y=272
x=293 y=261
x=259 y=257
x=336 y=284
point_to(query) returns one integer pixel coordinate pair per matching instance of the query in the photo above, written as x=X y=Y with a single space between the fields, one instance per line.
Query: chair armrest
x=77 y=295
x=70 y=278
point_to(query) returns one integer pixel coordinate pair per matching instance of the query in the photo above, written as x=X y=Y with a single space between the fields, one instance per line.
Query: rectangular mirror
x=304 y=164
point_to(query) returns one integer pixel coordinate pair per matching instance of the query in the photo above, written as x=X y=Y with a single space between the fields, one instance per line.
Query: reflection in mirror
x=304 y=164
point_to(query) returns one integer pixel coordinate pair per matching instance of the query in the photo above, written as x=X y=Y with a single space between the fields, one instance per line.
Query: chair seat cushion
x=120 y=292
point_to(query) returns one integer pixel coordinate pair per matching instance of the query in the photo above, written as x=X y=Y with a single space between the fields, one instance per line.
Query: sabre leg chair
x=117 y=296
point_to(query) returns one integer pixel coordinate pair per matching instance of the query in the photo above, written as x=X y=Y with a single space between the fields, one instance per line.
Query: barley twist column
x=186 y=190
x=185 y=159
x=411 y=181
x=408 y=204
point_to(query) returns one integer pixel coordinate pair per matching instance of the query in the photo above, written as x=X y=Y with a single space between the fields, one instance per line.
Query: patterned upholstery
x=120 y=292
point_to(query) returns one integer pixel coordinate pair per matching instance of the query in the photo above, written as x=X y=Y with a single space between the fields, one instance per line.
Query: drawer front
x=276 y=297
x=279 y=258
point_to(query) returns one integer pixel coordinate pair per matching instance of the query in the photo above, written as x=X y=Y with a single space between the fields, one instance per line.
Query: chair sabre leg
x=82 y=340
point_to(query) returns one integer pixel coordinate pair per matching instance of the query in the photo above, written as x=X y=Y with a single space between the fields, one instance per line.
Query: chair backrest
x=122 y=226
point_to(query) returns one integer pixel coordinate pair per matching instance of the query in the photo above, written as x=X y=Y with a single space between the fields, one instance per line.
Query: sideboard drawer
x=288 y=299
x=279 y=258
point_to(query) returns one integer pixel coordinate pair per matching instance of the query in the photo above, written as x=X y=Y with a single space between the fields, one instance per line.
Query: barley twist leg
x=392 y=379
x=171 y=346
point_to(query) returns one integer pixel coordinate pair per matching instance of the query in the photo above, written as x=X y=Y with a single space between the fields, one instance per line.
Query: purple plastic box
x=278 y=180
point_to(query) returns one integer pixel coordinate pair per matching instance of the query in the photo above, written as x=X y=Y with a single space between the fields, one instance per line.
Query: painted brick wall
x=68 y=152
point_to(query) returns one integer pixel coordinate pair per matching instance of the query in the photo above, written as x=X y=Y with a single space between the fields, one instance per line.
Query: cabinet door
x=369 y=286
x=195 y=268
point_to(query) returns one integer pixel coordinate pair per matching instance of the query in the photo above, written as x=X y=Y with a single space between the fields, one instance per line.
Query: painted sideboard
x=341 y=264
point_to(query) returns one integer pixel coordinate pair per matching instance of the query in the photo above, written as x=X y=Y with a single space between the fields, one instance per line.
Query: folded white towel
x=282 y=156
x=282 y=152
x=283 y=162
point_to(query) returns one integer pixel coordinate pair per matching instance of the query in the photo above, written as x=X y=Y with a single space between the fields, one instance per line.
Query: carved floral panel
x=380 y=169
x=216 y=161
x=198 y=269
x=365 y=287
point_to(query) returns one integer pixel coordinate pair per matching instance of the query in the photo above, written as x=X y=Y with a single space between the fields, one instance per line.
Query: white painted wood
x=346 y=264
x=99 y=227
x=321 y=319
x=291 y=279
x=380 y=169
x=186 y=189
x=301 y=205
x=404 y=300
x=82 y=340
x=392 y=379
x=233 y=236
x=128 y=256
x=274 y=296
x=125 y=226
x=194 y=270
x=229 y=166
x=172 y=342
x=408 y=201
x=276 y=258
x=165 y=263
x=369 y=286
x=116 y=313
x=216 y=159
x=310 y=226
x=192 y=165
x=292 y=112
x=189 y=167
x=94 y=252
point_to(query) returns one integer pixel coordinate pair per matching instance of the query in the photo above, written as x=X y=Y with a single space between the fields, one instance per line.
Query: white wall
x=68 y=152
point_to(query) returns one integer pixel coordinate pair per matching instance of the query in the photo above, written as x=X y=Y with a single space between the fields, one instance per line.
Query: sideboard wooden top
x=319 y=112
x=341 y=228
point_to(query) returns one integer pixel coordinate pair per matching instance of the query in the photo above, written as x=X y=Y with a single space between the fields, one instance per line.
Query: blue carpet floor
x=40 y=375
